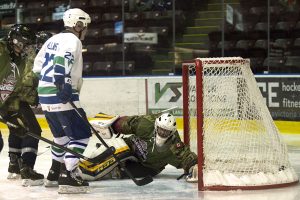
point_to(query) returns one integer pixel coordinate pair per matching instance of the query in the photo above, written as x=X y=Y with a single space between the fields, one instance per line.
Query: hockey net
x=238 y=144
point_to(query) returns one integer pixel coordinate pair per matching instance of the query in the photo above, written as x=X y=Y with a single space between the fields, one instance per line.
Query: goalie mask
x=165 y=126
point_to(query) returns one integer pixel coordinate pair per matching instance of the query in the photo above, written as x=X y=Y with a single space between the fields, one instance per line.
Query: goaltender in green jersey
x=145 y=143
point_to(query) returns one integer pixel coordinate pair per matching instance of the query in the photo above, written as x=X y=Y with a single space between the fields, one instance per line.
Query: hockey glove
x=3 y=115
x=192 y=177
x=64 y=89
x=16 y=125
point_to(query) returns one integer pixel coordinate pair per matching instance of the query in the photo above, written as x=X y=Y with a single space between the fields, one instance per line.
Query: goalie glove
x=192 y=176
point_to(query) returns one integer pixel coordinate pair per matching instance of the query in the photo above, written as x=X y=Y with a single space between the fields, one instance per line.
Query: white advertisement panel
x=165 y=93
x=147 y=38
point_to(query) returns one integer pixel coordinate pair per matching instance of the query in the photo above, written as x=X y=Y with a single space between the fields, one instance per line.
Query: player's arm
x=183 y=157
x=62 y=65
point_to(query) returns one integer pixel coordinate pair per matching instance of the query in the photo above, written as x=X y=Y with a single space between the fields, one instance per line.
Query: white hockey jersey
x=61 y=54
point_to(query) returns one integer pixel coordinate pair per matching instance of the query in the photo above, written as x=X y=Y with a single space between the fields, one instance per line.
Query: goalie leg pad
x=102 y=124
x=92 y=172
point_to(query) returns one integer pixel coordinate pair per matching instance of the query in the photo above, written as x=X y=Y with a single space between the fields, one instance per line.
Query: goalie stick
x=96 y=160
x=140 y=182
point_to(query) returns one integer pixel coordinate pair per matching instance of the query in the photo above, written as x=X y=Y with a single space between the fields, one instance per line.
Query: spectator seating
x=295 y=48
x=142 y=48
x=99 y=3
x=282 y=29
x=274 y=64
x=289 y=16
x=57 y=3
x=259 y=31
x=242 y=48
x=256 y=64
x=87 y=68
x=112 y=17
x=96 y=17
x=294 y=62
x=137 y=29
x=160 y=30
x=36 y=4
x=259 y=48
x=128 y=66
x=118 y=3
x=295 y=33
x=101 y=67
x=78 y=3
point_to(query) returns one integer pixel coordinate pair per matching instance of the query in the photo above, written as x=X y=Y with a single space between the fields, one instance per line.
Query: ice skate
x=54 y=172
x=13 y=168
x=30 y=177
x=52 y=179
x=72 y=183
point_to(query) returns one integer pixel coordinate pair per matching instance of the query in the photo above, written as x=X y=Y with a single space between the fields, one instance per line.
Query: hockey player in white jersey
x=59 y=65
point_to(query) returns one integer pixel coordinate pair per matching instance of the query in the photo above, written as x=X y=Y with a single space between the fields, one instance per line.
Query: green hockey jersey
x=17 y=81
x=173 y=152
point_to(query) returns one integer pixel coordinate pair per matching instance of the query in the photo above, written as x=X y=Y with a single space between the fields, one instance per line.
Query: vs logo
x=174 y=87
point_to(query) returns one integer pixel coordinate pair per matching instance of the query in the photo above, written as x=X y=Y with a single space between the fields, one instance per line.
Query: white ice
x=164 y=187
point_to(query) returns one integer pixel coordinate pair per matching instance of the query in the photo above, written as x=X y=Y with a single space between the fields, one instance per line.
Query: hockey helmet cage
x=42 y=37
x=165 y=125
x=74 y=15
x=22 y=37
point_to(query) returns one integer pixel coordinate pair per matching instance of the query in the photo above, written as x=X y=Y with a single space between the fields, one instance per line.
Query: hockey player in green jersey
x=18 y=91
x=153 y=143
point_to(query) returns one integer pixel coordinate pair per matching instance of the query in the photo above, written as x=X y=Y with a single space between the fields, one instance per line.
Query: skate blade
x=48 y=183
x=13 y=176
x=29 y=182
x=67 y=189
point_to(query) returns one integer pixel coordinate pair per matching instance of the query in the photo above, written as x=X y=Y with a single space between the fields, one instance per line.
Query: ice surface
x=164 y=187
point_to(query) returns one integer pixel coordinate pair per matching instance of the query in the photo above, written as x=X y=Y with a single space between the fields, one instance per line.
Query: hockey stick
x=169 y=109
x=96 y=160
x=139 y=182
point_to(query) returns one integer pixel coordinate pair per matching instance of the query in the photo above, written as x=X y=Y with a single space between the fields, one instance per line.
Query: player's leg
x=106 y=169
x=58 y=165
x=29 y=146
x=79 y=133
x=14 y=153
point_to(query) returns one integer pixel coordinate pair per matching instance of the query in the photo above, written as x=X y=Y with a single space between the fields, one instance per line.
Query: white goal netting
x=242 y=147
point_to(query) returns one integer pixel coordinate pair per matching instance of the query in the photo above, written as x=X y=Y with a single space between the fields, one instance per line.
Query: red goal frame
x=186 y=129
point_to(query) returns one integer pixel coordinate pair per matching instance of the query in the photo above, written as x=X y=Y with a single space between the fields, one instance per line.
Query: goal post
x=227 y=123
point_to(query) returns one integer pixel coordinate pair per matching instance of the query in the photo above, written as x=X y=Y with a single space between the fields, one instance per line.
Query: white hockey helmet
x=165 y=125
x=74 y=15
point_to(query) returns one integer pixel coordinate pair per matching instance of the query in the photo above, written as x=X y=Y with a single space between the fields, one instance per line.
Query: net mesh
x=241 y=144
